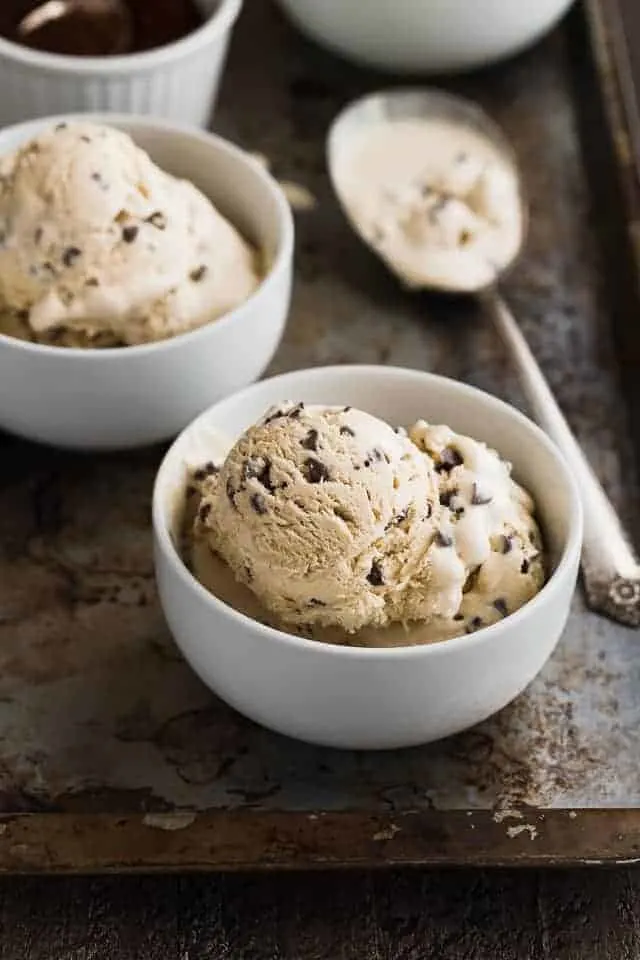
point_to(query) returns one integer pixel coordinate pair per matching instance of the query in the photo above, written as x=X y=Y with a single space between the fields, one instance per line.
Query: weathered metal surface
x=103 y=727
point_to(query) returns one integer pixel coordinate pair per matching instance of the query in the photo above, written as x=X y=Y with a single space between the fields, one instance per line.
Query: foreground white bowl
x=178 y=81
x=426 y=36
x=372 y=698
x=131 y=396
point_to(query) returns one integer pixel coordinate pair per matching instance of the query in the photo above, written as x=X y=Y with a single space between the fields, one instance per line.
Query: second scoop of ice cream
x=99 y=246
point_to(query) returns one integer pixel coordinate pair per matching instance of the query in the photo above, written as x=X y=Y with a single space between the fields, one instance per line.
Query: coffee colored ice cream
x=343 y=529
x=437 y=200
x=99 y=247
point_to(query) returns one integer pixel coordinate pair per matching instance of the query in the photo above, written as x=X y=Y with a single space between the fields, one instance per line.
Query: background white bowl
x=178 y=81
x=372 y=698
x=428 y=36
x=131 y=396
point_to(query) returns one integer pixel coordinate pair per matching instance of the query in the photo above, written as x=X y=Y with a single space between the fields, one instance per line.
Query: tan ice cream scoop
x=99 y=242
x=326 y=514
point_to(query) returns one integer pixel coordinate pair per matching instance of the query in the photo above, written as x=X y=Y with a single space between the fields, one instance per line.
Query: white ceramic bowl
x=132 y=396
x=425 y=36
x=178 y=81
x=372 y=698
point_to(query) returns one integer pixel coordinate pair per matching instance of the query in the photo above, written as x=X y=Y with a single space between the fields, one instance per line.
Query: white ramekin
x=371 y=698
x=132 y=396
x=178 y=81
x=430 y=36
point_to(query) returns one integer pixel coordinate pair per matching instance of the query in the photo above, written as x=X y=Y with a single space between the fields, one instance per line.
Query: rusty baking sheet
x=114 y=757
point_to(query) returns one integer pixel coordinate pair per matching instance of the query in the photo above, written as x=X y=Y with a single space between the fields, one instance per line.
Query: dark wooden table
x=414 y=915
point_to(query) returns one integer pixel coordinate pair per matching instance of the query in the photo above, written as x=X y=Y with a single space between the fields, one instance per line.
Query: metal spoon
x=114 y=13
x=611 y=571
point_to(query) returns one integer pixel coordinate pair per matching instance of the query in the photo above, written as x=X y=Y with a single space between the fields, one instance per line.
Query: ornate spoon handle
x=610 y=568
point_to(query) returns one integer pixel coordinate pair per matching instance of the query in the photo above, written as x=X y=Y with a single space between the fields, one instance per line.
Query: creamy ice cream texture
x=343 y=529
x=100 y=247
x=436 y=199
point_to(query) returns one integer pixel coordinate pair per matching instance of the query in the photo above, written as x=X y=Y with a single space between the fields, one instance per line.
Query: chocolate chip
x=346 y=409
x=479 y=499
x=524 y=566
x=428 y=511
x=347 y=432
x=500 y=605
x=310 y=442
x=96 y=176
x=315 y=471
x=199 y=474
x=85 y=139
x=157 y=220
x=447 y=497
x=458 y=617
x=190 y=491
x=211 y=469
x=258 y=503
x=294 y=413
x=376 y=575
x=61 y=126
x=314 y=602
x=92 y=282
x=130 y=233
x=449 y=458
x=443 y=539
x=259 y=468
x=472 y=579
x=252 y=468
x=49 y=267
x=474 y=624
x=204 y=511
x=22 y=314
x=198 y=275
x=273 y=416
x=70 y=256
x=507 y=543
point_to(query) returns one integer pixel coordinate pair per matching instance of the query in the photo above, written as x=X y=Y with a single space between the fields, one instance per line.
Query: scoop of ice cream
x=327 y=515
x=437 y=200
x=488 y=523
x=96 y=240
